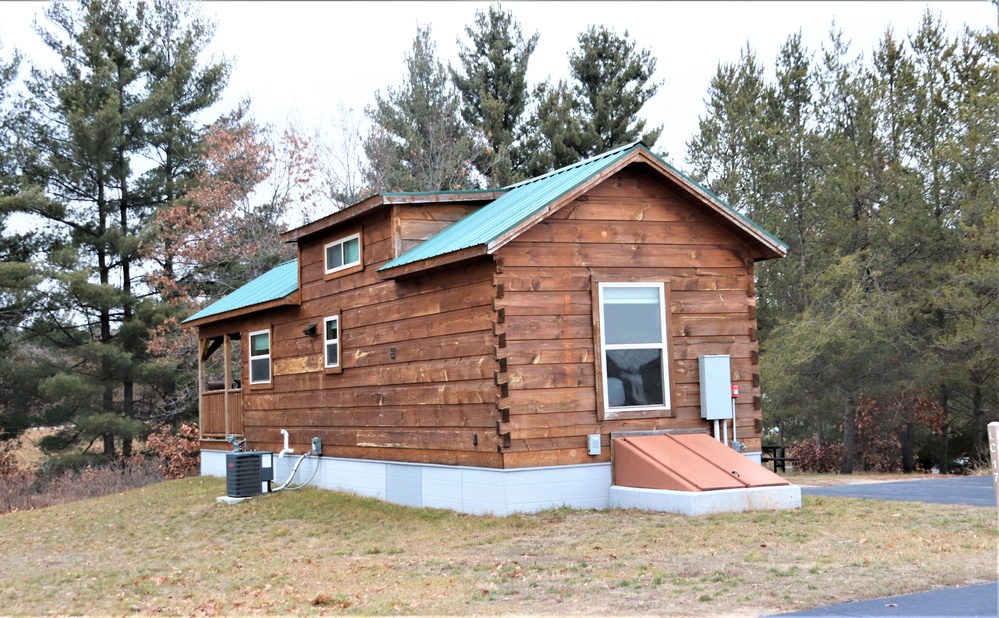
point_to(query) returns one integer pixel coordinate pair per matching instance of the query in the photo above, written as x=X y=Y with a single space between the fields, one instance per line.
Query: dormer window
x=343 y=253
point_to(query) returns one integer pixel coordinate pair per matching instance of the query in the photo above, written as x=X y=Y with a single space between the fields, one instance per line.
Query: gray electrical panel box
x=716 y=386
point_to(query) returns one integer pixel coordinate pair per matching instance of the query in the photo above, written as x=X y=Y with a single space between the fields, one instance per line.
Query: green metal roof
x=274 y=284
x=528 y=198
x=499 y=216
x=483 y=226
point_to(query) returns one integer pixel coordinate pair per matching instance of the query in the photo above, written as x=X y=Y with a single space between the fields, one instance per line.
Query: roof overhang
x=381 y=200
x=768 y=246
x=291 y=300
x=277 y=287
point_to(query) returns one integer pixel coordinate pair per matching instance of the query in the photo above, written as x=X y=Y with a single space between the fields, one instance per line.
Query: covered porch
x=220 y=401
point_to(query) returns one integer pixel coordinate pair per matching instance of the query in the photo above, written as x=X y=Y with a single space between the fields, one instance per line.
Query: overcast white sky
x=297 y=60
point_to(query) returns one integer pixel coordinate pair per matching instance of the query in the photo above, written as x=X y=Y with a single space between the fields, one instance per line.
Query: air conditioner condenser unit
x=248 y=473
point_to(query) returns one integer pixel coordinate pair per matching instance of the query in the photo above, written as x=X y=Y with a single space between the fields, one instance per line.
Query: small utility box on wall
x=716 y=386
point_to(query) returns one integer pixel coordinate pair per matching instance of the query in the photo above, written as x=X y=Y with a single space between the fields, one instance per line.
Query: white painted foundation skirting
x=707 y=502
x=465 y=489
x=484 y=491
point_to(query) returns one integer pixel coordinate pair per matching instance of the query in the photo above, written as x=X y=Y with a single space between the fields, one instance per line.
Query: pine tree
x=613 y=81
x=94 y=121
x=419 y=141
x=494 y=90
x=728 y=151
x=179 y=87
x=598 y=110
x=19 y=290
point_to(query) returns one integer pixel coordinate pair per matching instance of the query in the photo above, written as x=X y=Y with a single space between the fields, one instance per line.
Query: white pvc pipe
x=285 y=450
x=717 y=431
x=725 y=432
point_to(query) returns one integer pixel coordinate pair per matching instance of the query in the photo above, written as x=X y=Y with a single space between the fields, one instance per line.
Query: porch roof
x=275 y=284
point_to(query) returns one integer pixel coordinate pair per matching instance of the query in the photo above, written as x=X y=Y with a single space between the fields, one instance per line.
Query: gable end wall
x=630 y=227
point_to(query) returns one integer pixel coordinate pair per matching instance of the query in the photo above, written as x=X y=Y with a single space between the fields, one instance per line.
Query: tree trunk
x=125 y=255
x=977 y=423
x=942 y=455
x=849 y=436
x=907 y=438
x=104 y=273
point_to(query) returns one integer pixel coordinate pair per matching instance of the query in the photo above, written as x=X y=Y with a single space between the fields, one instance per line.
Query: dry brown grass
x=26 y=451
x=170 y=548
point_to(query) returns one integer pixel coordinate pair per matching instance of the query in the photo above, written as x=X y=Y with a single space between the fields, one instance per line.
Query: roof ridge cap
x=578 y=164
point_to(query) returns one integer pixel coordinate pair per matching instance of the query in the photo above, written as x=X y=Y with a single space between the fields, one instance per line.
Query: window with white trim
x=343 y=253
x=633 y=346
x=260 y=357
x=331 y=329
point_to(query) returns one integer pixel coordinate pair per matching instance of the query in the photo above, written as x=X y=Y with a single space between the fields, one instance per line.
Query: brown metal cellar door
x=685 y=462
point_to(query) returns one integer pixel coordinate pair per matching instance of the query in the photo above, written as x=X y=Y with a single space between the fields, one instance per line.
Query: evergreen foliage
x=419 y=141
x=109 y=136
x=494 y=90
x=881 y=177
x=598 y=110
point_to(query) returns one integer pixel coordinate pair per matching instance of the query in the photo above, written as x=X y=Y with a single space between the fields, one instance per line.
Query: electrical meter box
x=716 y=386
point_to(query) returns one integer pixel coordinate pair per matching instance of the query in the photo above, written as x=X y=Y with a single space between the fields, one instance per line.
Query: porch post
x=227 y=351
x=202 y=344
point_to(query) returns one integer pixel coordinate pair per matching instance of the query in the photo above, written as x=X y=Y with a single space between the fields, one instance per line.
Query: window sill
x=635 y=414
x=336 y=274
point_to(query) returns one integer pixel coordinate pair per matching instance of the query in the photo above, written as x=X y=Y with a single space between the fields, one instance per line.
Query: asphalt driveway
x=970 y=490
x=981 y=600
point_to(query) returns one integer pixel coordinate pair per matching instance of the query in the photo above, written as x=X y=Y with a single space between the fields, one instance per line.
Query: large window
x=633 y=347
x=332 y=329
x=343 y=253
x=260 y=357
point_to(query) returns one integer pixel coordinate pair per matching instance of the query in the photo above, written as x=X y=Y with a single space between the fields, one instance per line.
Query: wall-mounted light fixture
x=310 y=330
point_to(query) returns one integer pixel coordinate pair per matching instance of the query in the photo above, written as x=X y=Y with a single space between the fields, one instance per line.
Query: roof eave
x=386 y=199
x=433 y=263
x=295 y=298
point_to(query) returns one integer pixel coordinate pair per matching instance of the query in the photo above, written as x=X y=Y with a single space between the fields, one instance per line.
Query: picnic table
x=775 y=454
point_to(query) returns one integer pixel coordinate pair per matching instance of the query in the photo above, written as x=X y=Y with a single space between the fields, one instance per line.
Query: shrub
x=168 y=454
x=22 y=490
x=179 y=452
x=60 y=465
x=815 y=458
x=14 y=481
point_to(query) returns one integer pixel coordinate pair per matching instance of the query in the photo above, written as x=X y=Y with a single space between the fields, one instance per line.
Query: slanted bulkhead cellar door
x=685 y=462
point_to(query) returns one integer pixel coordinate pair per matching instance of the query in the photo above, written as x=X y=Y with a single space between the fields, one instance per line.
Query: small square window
x=343 y=253
x=260 y=357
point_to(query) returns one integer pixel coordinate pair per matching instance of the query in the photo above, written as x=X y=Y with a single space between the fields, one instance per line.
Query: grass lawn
x=170 y=548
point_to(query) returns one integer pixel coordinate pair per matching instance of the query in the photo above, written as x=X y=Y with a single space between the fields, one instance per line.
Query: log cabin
x=480 y=350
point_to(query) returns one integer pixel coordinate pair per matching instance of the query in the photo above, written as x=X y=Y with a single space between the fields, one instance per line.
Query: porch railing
x=221 y=413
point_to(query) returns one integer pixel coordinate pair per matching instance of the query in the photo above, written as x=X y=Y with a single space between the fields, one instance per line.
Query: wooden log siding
x=434 y=402
x=414 y=224
x=631 y=225
x=492 y=363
